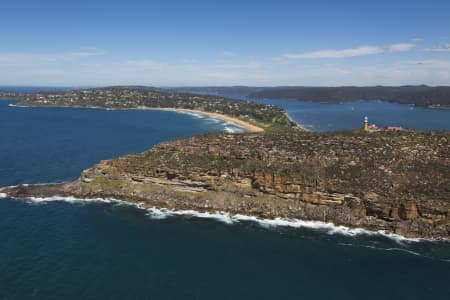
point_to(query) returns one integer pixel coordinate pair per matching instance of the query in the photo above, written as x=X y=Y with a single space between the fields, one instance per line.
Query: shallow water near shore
x=78 y=249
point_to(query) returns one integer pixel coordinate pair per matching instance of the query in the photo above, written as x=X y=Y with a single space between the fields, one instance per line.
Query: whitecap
x=3 y=195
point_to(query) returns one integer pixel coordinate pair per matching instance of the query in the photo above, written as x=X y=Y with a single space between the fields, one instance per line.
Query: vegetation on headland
x=393 y=181
x=267 y=116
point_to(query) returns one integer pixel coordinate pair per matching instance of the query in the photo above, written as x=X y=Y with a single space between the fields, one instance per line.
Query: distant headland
x=420 y=95
x=253 y=116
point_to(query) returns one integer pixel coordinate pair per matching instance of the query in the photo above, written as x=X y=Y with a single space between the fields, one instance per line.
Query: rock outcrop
x=397 y=182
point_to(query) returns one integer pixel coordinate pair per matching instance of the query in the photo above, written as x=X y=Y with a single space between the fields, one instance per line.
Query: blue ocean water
x=34 y=89
x=95 y=250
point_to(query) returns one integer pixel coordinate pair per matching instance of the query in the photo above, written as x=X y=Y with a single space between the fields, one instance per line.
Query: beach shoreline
x=249 y=127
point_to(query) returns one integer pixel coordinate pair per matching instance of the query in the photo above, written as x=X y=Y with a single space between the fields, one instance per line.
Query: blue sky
x=168 y=43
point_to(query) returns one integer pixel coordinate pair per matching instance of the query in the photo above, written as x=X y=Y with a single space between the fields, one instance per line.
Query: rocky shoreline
x=395 y=182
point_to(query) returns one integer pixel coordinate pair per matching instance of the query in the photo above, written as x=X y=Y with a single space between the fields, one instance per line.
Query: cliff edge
x=398 y=182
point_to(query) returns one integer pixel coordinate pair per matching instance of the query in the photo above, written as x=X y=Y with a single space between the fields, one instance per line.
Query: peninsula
x=397 y=182
x=420 y=96
x=417 y=95
x=245 y=113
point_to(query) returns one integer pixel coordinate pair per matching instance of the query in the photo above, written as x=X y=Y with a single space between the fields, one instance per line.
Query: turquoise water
x=94 y=250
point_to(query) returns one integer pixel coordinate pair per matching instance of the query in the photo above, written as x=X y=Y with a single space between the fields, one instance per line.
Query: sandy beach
x=236 y=121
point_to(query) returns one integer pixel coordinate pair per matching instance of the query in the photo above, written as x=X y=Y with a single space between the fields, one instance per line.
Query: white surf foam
x=15 y=105
x=233 y=128
x=162 y=213
x=3 y=195
x=192 y=114
x=228 y=126
x=73 y=199
x=330 y=228
x=230 y=129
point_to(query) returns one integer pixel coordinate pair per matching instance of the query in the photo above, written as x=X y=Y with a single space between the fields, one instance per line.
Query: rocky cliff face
x=397 y=182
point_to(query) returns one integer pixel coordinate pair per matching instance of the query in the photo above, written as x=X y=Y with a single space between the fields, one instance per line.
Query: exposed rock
x=355 y=179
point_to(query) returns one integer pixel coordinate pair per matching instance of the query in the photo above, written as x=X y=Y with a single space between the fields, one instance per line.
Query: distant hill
x=425 y=96
x=219 y=90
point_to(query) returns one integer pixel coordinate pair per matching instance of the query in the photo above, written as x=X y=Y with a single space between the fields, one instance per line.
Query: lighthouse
x=366 y=123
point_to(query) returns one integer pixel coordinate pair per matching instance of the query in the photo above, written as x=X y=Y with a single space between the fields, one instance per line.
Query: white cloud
x=401 y=47
x=145 y=63
x=351 y=52
x=440 y=48
x=362 y=50
x=229 y=54
x=27 y=58
x=148 y=71
x=430 y=63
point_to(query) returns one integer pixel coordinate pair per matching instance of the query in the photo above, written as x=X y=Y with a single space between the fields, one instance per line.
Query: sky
x=206 y=43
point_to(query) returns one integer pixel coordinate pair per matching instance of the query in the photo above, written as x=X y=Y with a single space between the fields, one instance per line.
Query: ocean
x=68 y=249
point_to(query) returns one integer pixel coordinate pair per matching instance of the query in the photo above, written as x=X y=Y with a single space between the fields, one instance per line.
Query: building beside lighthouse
x=373 y=127
x=367 y=127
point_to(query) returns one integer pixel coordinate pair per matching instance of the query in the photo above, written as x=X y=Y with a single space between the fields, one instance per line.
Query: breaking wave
x=229 y=127
x=192 y=114
x=163 y=213
x=15 y=105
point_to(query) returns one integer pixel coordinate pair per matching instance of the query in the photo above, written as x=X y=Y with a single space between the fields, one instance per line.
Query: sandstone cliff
x=397 y=182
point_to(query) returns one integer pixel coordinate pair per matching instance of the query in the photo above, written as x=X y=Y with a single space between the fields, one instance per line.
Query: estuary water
x=345 y=116
x=67 y=249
